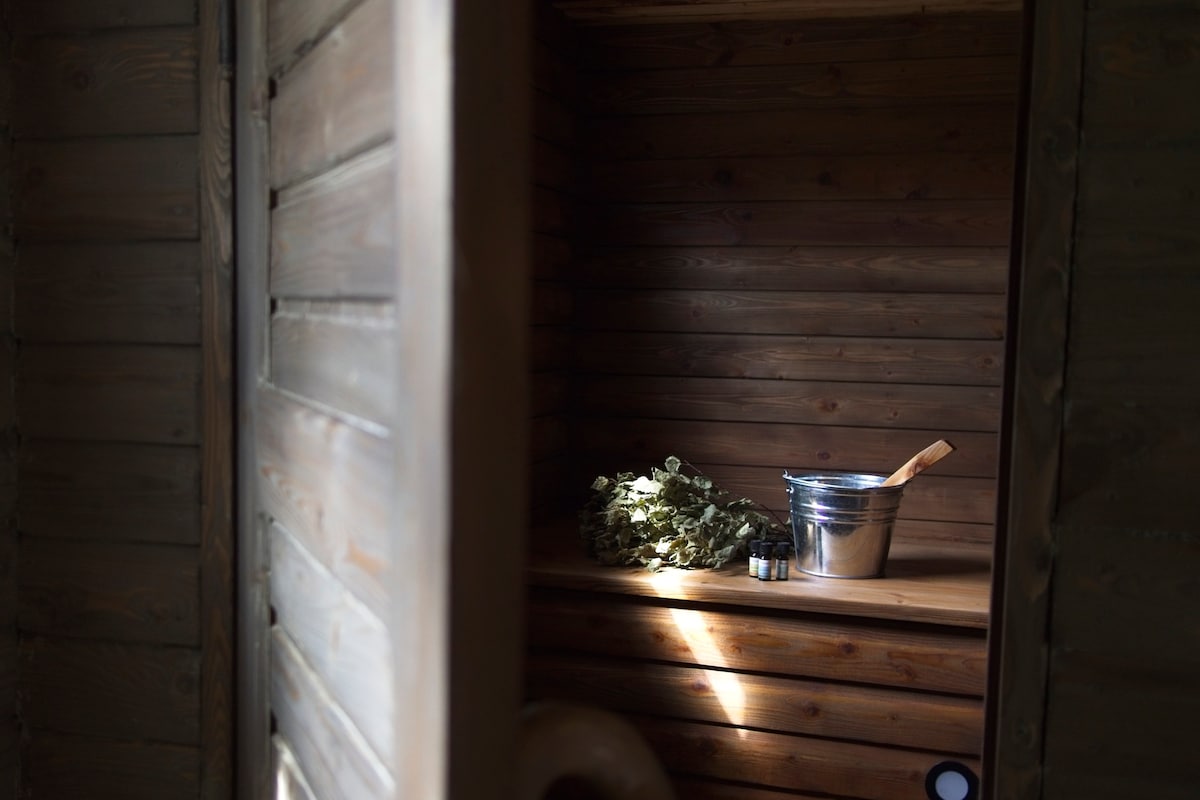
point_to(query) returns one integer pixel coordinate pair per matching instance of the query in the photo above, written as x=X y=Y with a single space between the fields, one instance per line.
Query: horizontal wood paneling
x=107 y=189
x=860 y=84
x=800 y=268
x=797 y=447
x=337 y=760
x=294 y=27
x=62 y=765
x=794 y=313
x=110 y=492
x=346 y=645
x=785 y=41
x=134 y=81
x=970 y=127
x=111 y=393
x=940 y=660
x=338 y=100
x=144 y=293
x=100 y=14
x=819 y=358
x=951 y=408
x=342 y=522
x=337 y=355
x=809 y=708
x=332 y=236
x=115 y=691
x=921 y=223
x=607 y=12
x=929 y=176
x=145 y=593
x=790 y=762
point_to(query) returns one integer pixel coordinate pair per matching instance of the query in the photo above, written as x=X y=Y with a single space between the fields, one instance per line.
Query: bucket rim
x=842 y=481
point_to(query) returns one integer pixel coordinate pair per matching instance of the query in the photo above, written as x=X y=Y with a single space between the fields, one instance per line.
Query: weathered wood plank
x=100 y=14
x=809 y=708
x=785 y=88
x=977 y=363
x=337 y=101
x=332 y=237
x=797 y=447
x=948 y=408
x=345 y=644
x=110 y=492
x=922 y=223
x=110 y=393
x=817 y=269
x=340 y=355
x=984 y=127
x=63 y=765
x=140 y=81
x=145 y=292
x=337 y=761
x=894 y=176
x=342 y=522
x=786 y=41
x=107 y=189
x=936 y=660
x=802 y=763
x=909 y=315
x=145 y=593
x=293 y=28
x=109 y=690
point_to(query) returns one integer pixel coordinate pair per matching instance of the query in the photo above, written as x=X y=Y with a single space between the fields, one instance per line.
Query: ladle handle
x=919 y=463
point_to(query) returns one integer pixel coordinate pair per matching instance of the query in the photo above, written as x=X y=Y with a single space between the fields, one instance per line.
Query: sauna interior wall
x=768 y=245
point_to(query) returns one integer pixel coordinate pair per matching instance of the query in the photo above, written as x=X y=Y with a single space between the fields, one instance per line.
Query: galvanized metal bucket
x=842 y=523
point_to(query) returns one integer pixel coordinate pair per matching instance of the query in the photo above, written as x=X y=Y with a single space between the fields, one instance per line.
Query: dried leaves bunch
x=669 y=518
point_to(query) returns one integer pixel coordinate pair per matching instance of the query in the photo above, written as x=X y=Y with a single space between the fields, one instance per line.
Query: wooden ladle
x=919 y=463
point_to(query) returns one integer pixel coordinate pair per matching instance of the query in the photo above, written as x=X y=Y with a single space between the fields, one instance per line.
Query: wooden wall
x=9 y=731
x=792 y=253
x=1100 y=644
x=324 y=403
x=120 y=218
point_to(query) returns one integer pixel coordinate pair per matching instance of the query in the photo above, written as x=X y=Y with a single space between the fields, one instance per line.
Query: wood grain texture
x=597 y=12
x=145 y=593
x=337 y=101
x=346 y=645
x=100 y=15
x=986 y=127
x=336 y=759
x=855 y=84
x=807 y=708
x=891 y=360
x=115 y=691
x=111 y=393
x=790 y=762
x=294 y=28
x=110 y=492
x=797 y=268
x=875 y=314
x=332 y=237
x=921 y=223
x=343 y=523
x=216 y=591
x=129 y=82
x=146 y=292
x=785 y=41
x=65 y=765
x=842 y=648
x=107 y=189
x=339 y=356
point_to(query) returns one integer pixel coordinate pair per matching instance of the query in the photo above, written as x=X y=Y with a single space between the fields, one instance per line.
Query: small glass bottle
x=755 y=547
x=766 y=558
x=781 y=561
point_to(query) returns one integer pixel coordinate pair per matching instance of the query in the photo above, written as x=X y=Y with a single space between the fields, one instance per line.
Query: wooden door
x=381 y=320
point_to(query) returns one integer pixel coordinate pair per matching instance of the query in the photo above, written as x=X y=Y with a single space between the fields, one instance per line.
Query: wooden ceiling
x=624 y=12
